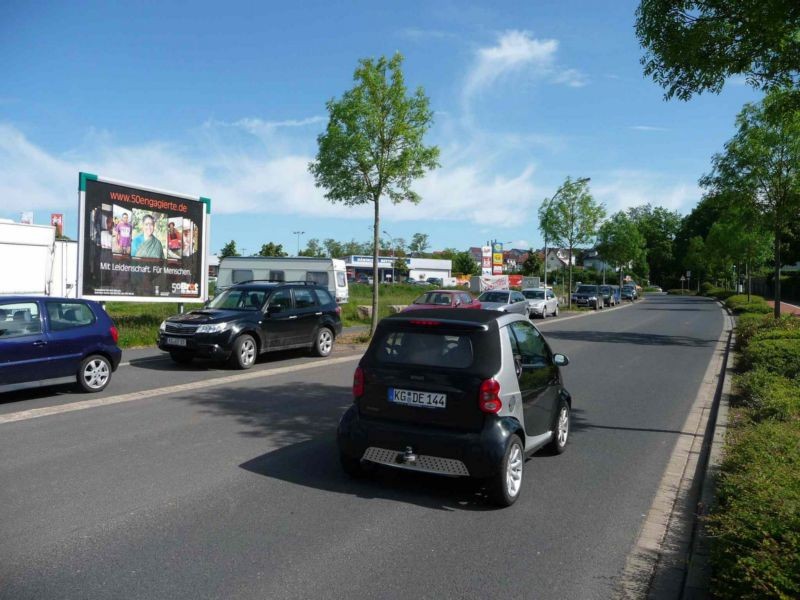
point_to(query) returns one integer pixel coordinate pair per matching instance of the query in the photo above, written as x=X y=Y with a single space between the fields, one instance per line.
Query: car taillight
x=358 y=383
x=489 y=396
x=425 y=322
x=114 y=333
x=338 y=310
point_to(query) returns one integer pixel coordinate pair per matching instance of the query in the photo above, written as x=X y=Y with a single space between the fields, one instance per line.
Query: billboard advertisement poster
x=140 y=244
x=57 y=221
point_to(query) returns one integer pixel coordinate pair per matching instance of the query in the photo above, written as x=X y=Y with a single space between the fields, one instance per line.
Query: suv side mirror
x=560 y=360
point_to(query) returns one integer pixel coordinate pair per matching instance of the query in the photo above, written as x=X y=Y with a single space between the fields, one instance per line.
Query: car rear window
x=423 y=348
x=494 y=297
x=533 y=294
x=68 y=315
x=437 y=298
x=324 y=296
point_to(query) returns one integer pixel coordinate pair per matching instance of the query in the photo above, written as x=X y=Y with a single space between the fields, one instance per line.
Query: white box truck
x=327 y=272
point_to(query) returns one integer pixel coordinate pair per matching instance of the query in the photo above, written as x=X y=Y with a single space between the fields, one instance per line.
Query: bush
x=748 y=324
x=777 y=334
x=755 y=525
x=738 y=304
x=769 y=396
x=682 y=292
x=706 y=287
x=777 y=356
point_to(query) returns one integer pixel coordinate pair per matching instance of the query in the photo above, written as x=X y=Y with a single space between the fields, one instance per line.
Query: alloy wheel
x=96 y=373
x=514 y=471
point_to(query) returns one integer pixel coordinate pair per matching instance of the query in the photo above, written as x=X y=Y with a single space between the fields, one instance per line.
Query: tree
x=333 y=248
x=620 y=243
x=659 y=227
x=762 y=164
x=271 y=249
x=696 y=259
x=464 y=264
x=572 y=218
x=373 y=145
x=692 y=46
x=229 y=249
x=419 y=243
x=313 y=248
x=532 y=265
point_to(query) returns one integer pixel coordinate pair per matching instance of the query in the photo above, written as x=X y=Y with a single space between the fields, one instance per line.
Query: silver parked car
x=541 y=302
x=460 y=393
x=505 y=301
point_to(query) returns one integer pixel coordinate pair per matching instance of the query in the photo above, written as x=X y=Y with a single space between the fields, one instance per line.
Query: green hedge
x=748 y=325
x=682 y=292
x=769 y=396
x=755 y=527
x=777 y=356
x=738 y=304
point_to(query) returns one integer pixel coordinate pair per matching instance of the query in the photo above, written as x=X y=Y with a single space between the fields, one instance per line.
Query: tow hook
x=408 y=457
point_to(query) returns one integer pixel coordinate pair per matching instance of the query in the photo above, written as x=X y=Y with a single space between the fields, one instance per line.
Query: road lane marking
x=47 y=411
x=654 y=566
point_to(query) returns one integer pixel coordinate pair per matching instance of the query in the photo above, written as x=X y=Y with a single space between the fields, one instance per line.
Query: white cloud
x=647 y=128
x=623 y=189
x=240 y=178
x=518 y=51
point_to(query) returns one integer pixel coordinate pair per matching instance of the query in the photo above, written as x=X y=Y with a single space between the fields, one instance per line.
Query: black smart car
x=254 y=317
x=460 y=393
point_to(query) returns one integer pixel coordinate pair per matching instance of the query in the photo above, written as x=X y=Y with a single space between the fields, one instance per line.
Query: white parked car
x=504 y=301
x=541 y=302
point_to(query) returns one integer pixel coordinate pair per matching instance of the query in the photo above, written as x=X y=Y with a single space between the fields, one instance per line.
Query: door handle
x=39 y=343
x=292 y=316
x=318 y=314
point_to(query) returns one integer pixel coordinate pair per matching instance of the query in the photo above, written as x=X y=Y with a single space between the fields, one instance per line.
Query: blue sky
x=226 y=101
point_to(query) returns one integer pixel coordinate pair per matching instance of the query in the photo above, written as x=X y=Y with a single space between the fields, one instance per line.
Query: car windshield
x=239 y=299
x=586 y=289
x=437 y=298
x=533 y=294
x=494 y=297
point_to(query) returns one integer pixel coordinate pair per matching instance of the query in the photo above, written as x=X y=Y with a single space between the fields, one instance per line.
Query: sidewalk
x=786 y=308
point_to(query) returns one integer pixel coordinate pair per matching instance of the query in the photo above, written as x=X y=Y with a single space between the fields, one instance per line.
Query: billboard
x=140 y=244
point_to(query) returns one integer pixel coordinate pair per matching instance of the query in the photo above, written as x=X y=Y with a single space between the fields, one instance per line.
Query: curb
x=698 y=571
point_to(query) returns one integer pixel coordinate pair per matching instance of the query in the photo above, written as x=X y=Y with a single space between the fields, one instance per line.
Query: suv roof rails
x=275 y=281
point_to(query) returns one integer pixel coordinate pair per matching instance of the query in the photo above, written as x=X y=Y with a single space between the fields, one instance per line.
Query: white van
x=328 y=272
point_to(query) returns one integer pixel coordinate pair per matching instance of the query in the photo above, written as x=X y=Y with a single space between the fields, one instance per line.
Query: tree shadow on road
x=624 y=337
x=300 y=419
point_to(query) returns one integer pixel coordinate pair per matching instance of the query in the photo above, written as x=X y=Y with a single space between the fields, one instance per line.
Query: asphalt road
x=233 y=490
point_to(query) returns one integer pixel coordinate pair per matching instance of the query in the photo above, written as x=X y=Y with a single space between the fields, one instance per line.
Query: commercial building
x=418 y=268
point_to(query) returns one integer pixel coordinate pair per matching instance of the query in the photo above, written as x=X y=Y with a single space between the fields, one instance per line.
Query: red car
x=443 y=299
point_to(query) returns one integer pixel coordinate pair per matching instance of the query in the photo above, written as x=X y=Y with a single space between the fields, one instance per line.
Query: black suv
x=254 y=317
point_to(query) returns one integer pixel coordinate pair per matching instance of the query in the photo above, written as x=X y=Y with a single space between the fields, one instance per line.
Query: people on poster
x=174 y=241
x=147 y=245
x=107 y=234
x=123 y=231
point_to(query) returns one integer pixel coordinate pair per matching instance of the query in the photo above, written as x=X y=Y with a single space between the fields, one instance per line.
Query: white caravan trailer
x=328 y=272
x=26 y=258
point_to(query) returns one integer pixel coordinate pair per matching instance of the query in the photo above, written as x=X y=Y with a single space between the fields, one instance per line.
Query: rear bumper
x=481 y=452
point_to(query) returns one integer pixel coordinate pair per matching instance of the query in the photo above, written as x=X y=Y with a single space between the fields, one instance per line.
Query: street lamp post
x=298 y=234
x=391 y=241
